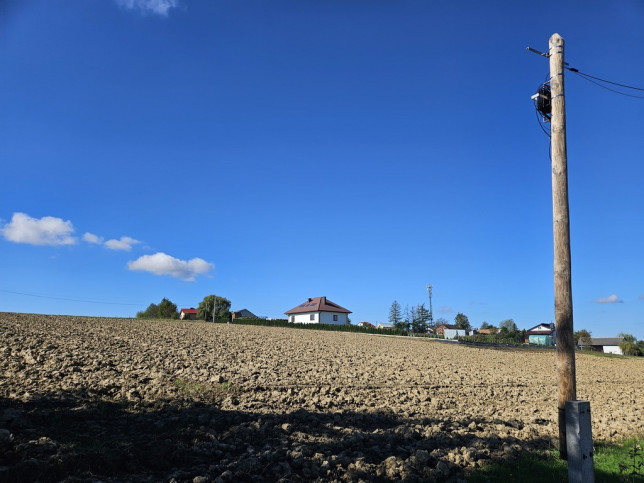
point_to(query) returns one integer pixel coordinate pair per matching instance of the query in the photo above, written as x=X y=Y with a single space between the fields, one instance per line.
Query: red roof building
x=188 y=314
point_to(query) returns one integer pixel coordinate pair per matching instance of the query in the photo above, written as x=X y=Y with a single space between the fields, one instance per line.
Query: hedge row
x=329 y=327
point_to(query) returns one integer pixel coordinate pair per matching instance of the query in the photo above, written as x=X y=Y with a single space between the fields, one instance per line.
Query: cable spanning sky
x=271 y=151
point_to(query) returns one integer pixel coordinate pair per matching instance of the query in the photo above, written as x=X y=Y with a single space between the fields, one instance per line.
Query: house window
x=335 y=318
x=312 y=316
x=292 y=318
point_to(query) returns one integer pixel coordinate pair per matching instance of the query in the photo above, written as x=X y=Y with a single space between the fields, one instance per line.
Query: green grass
x=603 y=354
x=614 y=462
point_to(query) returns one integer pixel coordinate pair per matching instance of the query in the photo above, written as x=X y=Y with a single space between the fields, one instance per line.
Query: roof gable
x=317 y=304
x=189 y=311
x=541 y=328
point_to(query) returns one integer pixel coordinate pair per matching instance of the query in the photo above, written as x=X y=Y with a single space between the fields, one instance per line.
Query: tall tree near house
x=205 y=308
x=508 y=327
x=630 y=346
x=406 y=319
x=462 y=322
x=582 y=337
x=420 y=319
x=627 y=337
x=441 y=321
x=168 y=310
x=395 y=314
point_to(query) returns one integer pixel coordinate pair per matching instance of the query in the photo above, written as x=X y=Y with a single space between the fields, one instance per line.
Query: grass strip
x=615 y=462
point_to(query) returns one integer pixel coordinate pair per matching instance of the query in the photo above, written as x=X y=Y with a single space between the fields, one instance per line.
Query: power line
x=593 y=79
x=590 y=79
x=74 y=300
x=576 y=71
x=64 y=298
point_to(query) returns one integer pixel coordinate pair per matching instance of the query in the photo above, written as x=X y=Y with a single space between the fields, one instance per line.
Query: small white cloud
x=162 y=264
x=47 y=230
x=91 y=238
x=611 y=299
x=124 y=243
x=445 y=309
x=157 y=7
x=641 y=297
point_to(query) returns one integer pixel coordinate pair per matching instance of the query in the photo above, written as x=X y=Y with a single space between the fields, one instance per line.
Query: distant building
x=454 y=333
x=440 y=329
x=188 y=314
x=385 y=326
x=366 y=324
x=542 y=334
x=243 y=314
x=608 y=345
x=318 y=310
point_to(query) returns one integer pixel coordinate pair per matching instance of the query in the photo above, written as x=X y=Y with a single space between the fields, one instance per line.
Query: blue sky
x=271 y=151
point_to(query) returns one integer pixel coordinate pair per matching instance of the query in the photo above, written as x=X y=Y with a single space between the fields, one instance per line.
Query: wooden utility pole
x=567 y=390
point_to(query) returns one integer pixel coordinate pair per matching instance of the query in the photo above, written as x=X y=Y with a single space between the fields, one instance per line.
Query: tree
x=627 y=337
x=462 y=322
x=630 y=346
x=168 y=310
x=395 y=314
x=165 y=310
x=582 y=337
x=441 y=321
x=205 y=309
x=405 y=323
x=630 y=349
x=420 y=318
x=152 y=312
x=508 y=327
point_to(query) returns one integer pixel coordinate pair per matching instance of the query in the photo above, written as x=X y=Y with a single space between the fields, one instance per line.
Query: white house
x=318 y=310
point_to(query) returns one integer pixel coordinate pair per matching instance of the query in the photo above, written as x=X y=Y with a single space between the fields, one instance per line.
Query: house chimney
x=322 y=300
x=310 y=299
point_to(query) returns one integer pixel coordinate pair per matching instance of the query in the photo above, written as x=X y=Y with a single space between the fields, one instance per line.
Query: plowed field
x=122 y=399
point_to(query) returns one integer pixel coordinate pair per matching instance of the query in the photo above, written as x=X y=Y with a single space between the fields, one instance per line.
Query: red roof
x=317 y=304
x=189 y=311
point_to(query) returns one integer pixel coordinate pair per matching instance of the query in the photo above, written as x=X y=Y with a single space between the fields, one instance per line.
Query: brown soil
x=121 y=399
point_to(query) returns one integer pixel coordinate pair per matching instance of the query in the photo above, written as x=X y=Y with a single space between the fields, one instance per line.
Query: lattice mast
x=431 y=312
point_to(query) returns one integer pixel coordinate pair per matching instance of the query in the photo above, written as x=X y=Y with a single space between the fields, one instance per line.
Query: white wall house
x=318 y=310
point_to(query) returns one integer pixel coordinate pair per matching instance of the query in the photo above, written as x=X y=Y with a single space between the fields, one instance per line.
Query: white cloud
x=157 y=7
x=124 y=243
x=91 y=238
x=162 y=264
x=611 y=299
x=47 y=230
x=445 y=309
